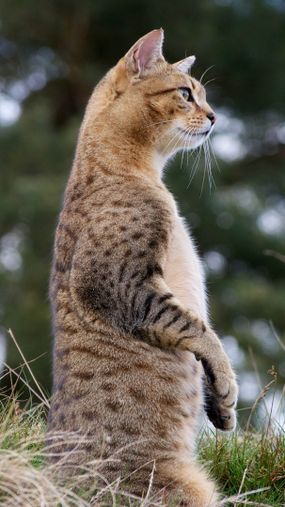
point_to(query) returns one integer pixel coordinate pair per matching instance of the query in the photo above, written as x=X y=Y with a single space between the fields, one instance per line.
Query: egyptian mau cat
x=133 y=345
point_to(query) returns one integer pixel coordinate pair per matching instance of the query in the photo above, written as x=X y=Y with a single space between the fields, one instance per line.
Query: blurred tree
x=52 y=53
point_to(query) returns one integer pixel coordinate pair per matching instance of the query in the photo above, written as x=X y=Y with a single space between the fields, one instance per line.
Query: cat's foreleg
x=217 y=410
x=148 y=310
x=161 y=319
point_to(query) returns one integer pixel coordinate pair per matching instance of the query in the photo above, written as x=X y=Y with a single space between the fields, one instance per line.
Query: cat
x=133 y=345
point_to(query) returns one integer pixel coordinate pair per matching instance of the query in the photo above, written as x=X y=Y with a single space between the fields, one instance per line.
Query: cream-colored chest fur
x=183 y=270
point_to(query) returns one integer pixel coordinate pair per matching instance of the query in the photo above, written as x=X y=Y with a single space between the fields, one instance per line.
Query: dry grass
x=249 y=466
x=241 y=463
x=28 y=479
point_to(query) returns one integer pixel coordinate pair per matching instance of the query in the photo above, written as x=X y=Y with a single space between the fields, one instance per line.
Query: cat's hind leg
x=190 y=486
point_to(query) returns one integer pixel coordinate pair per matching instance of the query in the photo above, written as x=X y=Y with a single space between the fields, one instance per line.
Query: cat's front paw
x=220 y=401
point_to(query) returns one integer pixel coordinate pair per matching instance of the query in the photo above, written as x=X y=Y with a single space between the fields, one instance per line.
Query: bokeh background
x=52 y=53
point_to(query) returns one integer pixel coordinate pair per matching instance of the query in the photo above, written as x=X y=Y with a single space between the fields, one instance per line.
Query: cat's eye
x=186 y=94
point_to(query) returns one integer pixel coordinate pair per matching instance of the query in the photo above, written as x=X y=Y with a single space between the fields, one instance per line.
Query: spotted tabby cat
x=132 y=338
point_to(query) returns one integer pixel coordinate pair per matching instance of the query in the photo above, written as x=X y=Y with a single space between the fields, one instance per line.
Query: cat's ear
x=185 y=64
x=145 y=53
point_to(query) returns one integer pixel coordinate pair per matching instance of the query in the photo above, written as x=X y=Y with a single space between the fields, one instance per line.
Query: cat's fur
x=132 y=339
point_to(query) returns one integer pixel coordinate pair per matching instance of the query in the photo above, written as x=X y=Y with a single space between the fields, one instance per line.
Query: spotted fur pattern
x=132 y=339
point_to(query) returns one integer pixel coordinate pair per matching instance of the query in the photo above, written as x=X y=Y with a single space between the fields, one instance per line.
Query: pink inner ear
x=149 y=50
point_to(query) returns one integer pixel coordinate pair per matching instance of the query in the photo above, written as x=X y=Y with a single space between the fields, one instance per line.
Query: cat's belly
x=184 y=273
x=184 y=276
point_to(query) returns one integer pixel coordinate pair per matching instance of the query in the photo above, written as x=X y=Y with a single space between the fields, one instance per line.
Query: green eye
x=186 y=94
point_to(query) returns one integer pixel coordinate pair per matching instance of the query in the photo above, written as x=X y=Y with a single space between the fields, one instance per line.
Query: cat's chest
x=183 y=270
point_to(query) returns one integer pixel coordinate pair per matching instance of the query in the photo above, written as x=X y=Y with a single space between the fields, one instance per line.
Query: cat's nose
x=212 y=117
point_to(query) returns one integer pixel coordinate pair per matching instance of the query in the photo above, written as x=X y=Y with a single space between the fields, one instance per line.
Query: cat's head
x=154 y=101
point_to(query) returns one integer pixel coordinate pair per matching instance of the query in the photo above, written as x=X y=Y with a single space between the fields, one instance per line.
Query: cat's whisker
x=188 y=135
x=190 y=151
x=208 y=166
x=171 y=140
x=175 y=140
x=181 y=139
x=183 y=152
x=186 y=138
x=186 y=149
x=206 y=163
x=204 y=174
x=205 y=72
x=198 y=152
x=207 y=160
x=210 y=158
x=209 y=81
x=212 y=151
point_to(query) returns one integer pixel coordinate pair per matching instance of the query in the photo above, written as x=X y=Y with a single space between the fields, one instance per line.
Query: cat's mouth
x=190 y=134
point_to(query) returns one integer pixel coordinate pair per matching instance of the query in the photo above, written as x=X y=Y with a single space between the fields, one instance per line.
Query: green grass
x=243 y=462
x=249 y=466
x=240 y=462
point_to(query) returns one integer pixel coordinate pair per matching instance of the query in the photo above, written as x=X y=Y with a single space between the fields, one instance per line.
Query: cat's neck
x=119 y=154
x=159 y=161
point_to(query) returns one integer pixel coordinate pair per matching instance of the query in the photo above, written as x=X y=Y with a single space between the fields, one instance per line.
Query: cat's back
x=107 y=212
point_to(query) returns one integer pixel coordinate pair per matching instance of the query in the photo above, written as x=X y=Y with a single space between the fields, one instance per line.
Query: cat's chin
x=198 y=141
x=194 y=140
